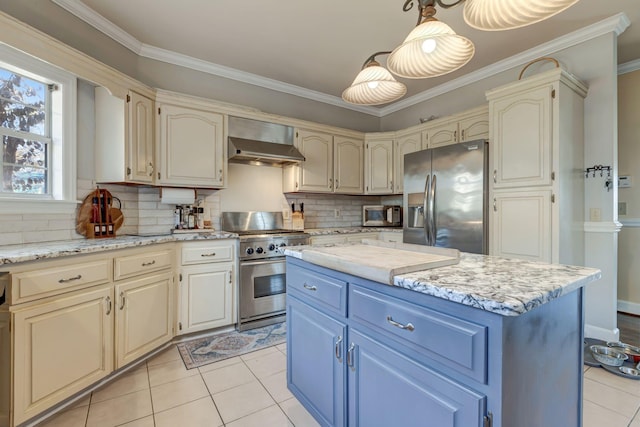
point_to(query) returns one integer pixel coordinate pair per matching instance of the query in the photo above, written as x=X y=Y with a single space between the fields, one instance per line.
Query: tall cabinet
x=536 y=166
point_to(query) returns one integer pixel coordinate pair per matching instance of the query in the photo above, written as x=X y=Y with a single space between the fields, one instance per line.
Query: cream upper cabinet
x=191 y=146
x=441 y=135
x=521 y=138
x=474 y=125
x=404 y=144
x=378 y=165
x=333 y=164
x=348 y=165
x=124 y=149
x=61 y=347
x=536 y=166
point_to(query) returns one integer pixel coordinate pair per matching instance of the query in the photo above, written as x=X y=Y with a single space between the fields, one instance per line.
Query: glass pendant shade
x=374 y=85
x=431 y=49
x=495 y=15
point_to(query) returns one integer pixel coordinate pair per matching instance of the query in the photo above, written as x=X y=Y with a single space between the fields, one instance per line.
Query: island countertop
x=509 y=287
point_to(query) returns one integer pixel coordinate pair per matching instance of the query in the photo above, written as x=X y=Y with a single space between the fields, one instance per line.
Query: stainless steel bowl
x=631 y=351
x=608 y=355
x=629 y=371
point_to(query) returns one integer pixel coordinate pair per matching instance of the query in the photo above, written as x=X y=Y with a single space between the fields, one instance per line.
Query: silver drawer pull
x=338 y=348
x=211 y=254
x=409 y=327
x=70 y=279
x=147 y=264
x=310 y=287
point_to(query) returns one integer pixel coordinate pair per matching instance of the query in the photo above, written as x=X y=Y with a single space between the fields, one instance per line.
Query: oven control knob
x=259 y=250
x=283 y=244
x=249 y=251
x=272 y=247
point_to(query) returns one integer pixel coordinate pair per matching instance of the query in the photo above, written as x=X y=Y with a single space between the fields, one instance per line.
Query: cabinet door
x=520 y=224
x=388 y=389
x=316 y=172
x=61 y=347
x=140 y=138
x=522 y=136
x=348 y=170
x=444 y=134
x=315 y=362
x=144 y=316
x=379 y=167
x=206 y=297
x=475 y=127
x=404 y=145
x=191 y=147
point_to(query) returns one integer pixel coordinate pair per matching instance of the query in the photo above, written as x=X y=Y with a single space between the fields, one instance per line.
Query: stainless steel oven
x=262 y=277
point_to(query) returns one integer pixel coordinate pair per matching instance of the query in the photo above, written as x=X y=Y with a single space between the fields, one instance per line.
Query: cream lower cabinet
x=207 y=286
x=144 y=316
x=61 y=347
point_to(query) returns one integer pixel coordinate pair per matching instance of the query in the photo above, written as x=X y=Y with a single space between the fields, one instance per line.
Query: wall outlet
x=622 y=208
x=595 y=214
x=336 y=213
x=286 y=214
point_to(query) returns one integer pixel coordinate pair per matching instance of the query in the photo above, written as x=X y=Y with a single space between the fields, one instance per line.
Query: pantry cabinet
x=333 y=164
x=207 y=289
x=536 y=165
x=124 y=132
x=191 y=143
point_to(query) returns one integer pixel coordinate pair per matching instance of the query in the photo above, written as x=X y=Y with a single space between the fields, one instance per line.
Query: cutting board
x=378 y=261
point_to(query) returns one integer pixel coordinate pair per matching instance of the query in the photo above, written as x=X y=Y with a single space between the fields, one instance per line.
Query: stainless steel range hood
x=261 y=143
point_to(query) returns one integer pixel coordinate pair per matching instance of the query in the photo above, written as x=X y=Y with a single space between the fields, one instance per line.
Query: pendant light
x=495 y=15
x=374 y=85
x=431 y=49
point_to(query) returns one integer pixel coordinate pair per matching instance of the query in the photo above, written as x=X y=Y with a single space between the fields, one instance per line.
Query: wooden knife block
x=297 y=220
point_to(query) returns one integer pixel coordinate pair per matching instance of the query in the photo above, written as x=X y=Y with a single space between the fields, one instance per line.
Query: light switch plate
x=622 y=208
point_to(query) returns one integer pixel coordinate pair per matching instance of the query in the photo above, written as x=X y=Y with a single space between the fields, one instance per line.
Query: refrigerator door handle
x=432 y=210
x=425 y=210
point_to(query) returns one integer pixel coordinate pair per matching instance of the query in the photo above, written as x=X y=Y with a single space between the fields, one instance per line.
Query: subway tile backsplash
x=144 y=214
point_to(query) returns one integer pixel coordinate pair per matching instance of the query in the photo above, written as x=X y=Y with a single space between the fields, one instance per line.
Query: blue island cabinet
x=366 y=354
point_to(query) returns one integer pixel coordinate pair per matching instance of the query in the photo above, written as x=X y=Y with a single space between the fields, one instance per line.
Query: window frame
x=63 y=167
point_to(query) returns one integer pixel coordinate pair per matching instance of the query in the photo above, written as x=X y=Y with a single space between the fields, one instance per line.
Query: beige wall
x=629 y=164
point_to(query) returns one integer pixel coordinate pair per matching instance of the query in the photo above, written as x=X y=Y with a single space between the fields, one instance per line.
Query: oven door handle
x=261 y=261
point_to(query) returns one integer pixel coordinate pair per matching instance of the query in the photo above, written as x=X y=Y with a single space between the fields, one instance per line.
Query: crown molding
x=629 y=67
x=100 y=23
x=617 y=24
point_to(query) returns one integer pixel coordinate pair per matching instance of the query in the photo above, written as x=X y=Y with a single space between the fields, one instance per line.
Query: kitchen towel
x=177 y=196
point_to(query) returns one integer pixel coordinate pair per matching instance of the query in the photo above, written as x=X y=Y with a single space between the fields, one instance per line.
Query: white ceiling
x=318 y=47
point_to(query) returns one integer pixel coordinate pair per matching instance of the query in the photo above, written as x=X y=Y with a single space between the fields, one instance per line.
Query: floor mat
x=202 y=351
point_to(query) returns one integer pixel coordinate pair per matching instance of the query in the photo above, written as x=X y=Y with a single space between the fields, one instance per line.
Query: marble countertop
x=350 y=230
x=508 y=287
x=12 y=254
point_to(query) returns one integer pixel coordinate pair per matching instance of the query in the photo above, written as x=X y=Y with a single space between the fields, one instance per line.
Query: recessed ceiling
x=320 y=46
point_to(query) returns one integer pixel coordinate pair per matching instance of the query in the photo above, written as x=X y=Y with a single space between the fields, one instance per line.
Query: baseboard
x=629 y=307
x=591 y=331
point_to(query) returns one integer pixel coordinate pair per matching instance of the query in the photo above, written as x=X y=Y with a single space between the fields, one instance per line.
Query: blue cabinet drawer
x=319 y=290
x=453 y=342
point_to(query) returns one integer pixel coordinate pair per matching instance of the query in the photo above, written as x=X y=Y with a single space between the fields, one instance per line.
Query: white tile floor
x=251 y=391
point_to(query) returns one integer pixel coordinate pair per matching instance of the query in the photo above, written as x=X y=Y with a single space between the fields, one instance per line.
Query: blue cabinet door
x=315 y=362
x=389 y=389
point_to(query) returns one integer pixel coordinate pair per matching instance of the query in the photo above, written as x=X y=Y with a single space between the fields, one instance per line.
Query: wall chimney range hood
x=261 y=143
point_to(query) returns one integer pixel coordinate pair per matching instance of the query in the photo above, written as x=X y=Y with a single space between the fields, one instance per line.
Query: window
x=38 y=135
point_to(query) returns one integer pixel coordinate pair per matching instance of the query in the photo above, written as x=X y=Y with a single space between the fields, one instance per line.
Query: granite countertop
x=12 y=254
x=349 y=230
x=504 y=286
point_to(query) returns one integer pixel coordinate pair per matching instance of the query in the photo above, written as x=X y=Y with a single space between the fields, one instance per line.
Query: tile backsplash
x=145 y=214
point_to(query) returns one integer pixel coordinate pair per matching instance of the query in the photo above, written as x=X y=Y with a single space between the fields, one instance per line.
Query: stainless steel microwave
x=381 y=216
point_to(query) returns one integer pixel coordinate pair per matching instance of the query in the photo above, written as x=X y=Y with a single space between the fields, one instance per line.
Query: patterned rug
x=202 y=351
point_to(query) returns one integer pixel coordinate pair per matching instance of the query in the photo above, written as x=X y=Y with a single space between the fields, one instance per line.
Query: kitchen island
x=485 y=342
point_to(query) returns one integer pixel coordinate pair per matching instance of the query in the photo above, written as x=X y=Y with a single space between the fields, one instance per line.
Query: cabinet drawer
x=133 y=265
x=317 y=289
x=197 y=254
x=456 y=343
x=31 y=285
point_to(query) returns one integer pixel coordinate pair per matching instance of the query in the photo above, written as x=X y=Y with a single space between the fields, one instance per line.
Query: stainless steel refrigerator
x=445 y=197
